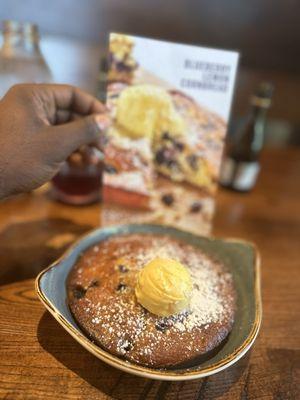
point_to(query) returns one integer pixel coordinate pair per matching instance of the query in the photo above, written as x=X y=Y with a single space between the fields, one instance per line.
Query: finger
x=62 y=116
x=75 y=100
x=69 y=137
x=54 y=98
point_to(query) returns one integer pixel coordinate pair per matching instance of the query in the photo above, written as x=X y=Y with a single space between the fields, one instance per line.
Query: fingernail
x=103 y=121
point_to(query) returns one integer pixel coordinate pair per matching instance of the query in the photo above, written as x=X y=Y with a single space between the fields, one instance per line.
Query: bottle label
x=245 y=175
x=239 y=175
x=227 y=171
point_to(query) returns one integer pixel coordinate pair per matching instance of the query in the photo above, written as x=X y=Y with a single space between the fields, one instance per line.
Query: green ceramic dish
x=240 y=257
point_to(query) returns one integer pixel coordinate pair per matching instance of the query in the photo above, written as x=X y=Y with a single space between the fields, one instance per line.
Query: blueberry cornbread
x=153 y=300
x=128 y=172
x=162 y=157
x=195 y=155
x=185 y=139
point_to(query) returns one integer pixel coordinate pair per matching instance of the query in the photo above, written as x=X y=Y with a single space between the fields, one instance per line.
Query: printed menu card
x=170 y=105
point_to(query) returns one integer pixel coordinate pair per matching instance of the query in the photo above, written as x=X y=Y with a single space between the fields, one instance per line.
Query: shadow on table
x=28 y=247
x=123 y=386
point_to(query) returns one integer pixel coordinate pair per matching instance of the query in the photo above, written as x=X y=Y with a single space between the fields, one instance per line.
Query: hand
x=40 y=126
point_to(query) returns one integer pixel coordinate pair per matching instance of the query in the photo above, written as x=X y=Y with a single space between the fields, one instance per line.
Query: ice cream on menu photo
x=170 y=105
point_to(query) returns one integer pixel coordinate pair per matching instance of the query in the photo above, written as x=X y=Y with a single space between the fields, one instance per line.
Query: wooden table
x=38 y=360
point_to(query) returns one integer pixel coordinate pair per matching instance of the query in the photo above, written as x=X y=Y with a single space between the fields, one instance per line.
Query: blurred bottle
x=241 y=165
x=20 y=57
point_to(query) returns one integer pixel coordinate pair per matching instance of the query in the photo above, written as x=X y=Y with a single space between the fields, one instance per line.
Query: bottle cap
x=265 y=90
x=263 y=94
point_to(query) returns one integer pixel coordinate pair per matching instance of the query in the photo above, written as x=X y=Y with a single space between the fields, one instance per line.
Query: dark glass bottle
x=241 y=165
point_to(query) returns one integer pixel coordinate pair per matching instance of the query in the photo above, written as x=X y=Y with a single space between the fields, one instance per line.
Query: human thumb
x=68 y=137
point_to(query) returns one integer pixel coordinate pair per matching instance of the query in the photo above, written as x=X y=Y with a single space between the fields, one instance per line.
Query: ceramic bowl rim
x=140 y=370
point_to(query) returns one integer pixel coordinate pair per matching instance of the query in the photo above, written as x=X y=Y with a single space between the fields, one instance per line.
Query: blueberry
x=168 y=199
x=179 y=146
x=110 y=169
x=123 y=67
x=193 y=161
x=121 y=287
x=122 y=268
x=79 y=292
x=166 y=136
x=160 y=156
x=196 y=207
x=94 y=283
x=161 y=326
x=127 y=345
x=182 y=317
x=172 y=164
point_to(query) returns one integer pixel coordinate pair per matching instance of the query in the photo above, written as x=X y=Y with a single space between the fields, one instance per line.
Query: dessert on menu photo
x=170 y=105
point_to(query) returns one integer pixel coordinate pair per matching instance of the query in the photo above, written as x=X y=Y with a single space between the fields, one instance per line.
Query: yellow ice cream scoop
x=147 y=110
x=164 y=287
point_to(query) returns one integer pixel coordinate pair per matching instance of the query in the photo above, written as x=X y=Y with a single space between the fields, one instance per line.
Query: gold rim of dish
x=151 y=372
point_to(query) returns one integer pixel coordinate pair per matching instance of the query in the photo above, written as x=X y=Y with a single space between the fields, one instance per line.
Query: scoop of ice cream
x=164 y=287
x=147 y=110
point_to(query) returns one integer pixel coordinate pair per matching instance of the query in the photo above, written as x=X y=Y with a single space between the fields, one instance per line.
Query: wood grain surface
x=39 y=360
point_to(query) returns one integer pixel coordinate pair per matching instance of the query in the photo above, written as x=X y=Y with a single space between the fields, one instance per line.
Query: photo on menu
x=170 y=105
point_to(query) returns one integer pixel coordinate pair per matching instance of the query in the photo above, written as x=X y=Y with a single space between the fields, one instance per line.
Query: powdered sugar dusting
x=122 y=326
